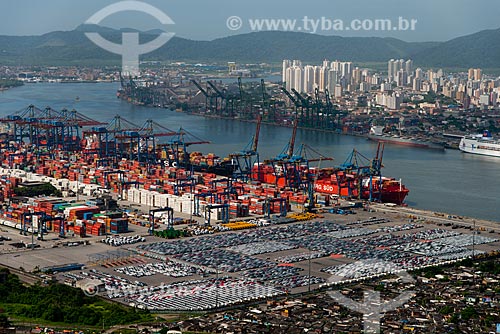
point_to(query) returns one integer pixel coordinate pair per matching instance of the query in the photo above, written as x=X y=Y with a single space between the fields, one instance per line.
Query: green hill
x=72 y=47
x=481 y=49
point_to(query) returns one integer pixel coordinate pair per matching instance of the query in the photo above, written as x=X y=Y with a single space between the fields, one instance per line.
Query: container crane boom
x=257 y=133
x=290 y=96
x=263 y=88
x=217 y=90
x=203 y=91
x=291 y=145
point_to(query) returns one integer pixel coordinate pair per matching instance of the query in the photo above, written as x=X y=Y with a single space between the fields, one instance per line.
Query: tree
x=4 y=321
x=446 y=310
x=468 y=313
x=61 y=303
x=45 y=189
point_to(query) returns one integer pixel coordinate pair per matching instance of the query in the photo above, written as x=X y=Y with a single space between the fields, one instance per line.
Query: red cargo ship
x=387 y=190
x=340 y=183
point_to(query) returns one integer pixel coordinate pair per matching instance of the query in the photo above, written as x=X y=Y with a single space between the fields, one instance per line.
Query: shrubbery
x=61 y=303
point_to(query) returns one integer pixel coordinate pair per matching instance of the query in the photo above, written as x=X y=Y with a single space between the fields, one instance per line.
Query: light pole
x=152 y=218
x=32 y=235
x=474 y=251
x=191 y=202
x=78 y=187
x=309 y=278
x=216 y=287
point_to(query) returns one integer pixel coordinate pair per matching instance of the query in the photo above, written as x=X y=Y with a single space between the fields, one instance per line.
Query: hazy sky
x=438 y=20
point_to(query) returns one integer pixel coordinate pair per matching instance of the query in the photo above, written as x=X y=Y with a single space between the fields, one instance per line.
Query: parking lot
x=251 y=264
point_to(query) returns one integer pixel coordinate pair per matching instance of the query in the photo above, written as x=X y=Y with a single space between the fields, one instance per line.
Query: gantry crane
x=170 y=218
x=143 y=142
x=280 y=162
x=305 y=118
x=175 y=153
x=48 y=129
x=219 y=94
x=248 y=158
x=224 y=212
x=110 y=143
x=291 y=98
x=376 y=171
x=358 y=168
x=227 y=100
x=210 y=97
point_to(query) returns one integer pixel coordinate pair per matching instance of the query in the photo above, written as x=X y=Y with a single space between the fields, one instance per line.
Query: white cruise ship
x=482 y=144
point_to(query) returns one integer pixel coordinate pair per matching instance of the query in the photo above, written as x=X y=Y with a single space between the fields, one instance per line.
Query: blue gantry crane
x=48 y=129
x=248 y=158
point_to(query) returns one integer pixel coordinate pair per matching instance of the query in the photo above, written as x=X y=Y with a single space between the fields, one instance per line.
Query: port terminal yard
x=232 y=267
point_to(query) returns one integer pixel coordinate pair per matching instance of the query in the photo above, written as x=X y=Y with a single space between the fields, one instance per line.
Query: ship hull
x=390 y=193
x=481 y=147
x=406 y=142
x=221 y=170
x=396 y=197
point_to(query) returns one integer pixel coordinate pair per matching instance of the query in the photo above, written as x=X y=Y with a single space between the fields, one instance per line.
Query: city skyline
x=335 y=78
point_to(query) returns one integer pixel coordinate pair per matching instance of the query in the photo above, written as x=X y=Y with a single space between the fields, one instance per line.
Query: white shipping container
x=161 y=201
x=72 y=186
x=132 y=195
x=172 y=198
x=157 y=201
x=186 y=207
x=143 y=198
x=214 y=216
x=137 y=197
x=176 y=206
x=67 y=211
x=11 y=224
x=36 y=177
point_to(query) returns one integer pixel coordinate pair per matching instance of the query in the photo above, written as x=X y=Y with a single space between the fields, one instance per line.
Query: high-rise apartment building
x=286 y=65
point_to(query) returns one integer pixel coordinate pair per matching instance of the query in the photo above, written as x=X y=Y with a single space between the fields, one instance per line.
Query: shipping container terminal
x=245 y=228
